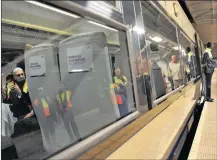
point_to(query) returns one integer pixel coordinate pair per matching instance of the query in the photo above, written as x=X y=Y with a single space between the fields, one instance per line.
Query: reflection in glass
x=164 y=54
x=77 y=69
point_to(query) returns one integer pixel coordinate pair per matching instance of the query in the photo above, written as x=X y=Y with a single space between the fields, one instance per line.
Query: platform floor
x=155 y=140
x=205 y=141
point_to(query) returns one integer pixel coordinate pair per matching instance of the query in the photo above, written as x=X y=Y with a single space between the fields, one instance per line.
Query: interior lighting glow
x=139 y=30
x=176 y=48
x=101 y=25
x=156 y=39
x=53 y=9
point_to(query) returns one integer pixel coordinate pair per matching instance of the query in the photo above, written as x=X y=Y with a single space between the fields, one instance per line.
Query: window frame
x=110 y=128
x=155 y=102
x=192 y=45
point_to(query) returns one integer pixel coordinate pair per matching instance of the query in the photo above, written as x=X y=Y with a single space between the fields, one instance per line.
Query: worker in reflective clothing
x=120 y=82
x=46 y=113
x=18 y=95
x=66 y=112
x=190 y=61
x=208 y=68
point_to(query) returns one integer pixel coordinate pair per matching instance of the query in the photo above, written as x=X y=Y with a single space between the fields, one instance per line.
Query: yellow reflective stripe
x=62 y=96
x=118 y=81
x=189 y=56
x=44 y=103
x=58 y=99
x=25 y=87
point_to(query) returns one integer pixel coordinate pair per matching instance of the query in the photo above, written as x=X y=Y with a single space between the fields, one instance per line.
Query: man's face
x=212 y=46
x=19 y=74
x=117 y=72
x=173 y=59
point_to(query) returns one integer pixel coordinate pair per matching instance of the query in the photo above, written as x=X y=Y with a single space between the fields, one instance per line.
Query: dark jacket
x=208 y=63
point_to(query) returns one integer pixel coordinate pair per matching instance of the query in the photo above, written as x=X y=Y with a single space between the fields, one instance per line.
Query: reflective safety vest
x=116 y=99
x=208 y=50
x=187 y=69
x=45 y=106
x=189 y=56
x=25 y=88
x=119 y=81
x=61 y=98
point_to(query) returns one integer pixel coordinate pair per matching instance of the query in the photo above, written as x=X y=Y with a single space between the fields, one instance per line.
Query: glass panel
x=77 y=72
x=163 y=48
x=188 y=56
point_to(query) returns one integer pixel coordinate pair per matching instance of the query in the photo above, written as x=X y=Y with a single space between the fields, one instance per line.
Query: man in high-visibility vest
x=64 y=98
x=44 y=109
x=190 y=62
x=208 y=67
x=18 y=95
x=121 y=82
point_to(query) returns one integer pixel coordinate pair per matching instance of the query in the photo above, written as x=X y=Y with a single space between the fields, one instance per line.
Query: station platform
x=204 y=145
x=154 y=134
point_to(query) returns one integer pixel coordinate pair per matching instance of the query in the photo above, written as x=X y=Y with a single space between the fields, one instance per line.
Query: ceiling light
x=101 y=25
x=156 y=39
x=53 y=9
x=139 y=30
x=176 y=48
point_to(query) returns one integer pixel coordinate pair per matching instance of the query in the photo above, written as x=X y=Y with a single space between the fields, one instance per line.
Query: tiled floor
x=205 y=141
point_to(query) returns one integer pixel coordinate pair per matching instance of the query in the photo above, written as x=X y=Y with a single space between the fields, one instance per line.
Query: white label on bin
x=80 y=59
x=37 y=65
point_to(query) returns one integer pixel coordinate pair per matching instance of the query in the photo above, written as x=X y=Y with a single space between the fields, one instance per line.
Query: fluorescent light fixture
x=176 y=48
x=156 y=39
x=139 y=30
x=161 y=46
x=101 y=25
x=53 y=9
x=148 y=42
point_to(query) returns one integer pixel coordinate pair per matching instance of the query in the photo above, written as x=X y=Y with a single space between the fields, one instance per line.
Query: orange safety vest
x=60 y=98
x=45 y=106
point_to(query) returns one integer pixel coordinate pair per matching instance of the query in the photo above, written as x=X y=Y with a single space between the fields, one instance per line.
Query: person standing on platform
x=208 y=67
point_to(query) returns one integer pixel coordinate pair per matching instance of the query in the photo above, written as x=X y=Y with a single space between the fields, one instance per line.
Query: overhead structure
x=204 y=14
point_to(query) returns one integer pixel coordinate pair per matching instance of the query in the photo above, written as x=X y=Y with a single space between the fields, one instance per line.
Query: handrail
x=157 y=101
x=77 y=149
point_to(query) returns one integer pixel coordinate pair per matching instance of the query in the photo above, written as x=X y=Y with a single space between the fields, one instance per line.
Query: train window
x=188 y=57
x=163 y=51
x=77 y=75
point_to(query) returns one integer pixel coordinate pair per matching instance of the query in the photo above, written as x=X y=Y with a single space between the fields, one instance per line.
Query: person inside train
x=46 y=114
x=65 y=109
x=121 y=81
x=159 y=79
x=175 y=71
x=208 y=67
x=4 y=90
x=190 y=62
x=18 y=95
